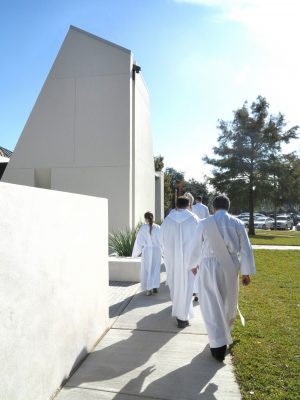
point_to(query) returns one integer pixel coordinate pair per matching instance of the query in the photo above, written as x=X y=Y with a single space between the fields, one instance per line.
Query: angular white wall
x=159 y=196
x=53 y=286
x=89 y=131
x=143 y=162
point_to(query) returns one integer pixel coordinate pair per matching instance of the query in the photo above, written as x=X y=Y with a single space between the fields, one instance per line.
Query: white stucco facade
x=159 y=196
x=53 y=287
x=89 y=131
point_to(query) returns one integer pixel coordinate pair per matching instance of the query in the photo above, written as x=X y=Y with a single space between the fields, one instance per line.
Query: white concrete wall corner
x=53 y=286
x=143 y=153
x=159 y=195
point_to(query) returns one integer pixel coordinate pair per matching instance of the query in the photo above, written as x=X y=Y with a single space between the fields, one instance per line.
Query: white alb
x=218 y=283
x=148 y=246
x=177 y=233
x=200 y=210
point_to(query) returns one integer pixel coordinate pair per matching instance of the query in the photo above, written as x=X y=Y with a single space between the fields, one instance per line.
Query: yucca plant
x=122 y=242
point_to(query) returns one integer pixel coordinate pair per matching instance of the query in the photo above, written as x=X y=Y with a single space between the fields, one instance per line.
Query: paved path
x=145 y=356
x=266 y=247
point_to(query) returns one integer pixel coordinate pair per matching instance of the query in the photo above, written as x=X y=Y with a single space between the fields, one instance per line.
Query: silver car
x=284 y=222
x=264 y=223
x=245 y=221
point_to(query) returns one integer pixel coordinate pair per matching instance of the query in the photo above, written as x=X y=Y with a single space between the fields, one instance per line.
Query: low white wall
x=124 y=269
x=53 y=286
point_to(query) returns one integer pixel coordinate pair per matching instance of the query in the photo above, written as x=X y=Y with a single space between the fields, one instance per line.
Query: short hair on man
x=199 y=198
x=182 y=202
x=221 y=203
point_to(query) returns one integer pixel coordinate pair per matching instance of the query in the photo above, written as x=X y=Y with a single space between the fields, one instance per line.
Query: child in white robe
x=147 y=244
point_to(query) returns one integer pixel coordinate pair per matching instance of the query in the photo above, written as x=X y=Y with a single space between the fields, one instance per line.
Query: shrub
x=122 y=242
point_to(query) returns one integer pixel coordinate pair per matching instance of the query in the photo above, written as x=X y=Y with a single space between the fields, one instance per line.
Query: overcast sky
x=201 y=59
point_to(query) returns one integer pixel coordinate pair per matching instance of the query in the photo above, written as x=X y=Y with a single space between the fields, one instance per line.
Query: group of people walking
x=203 y=254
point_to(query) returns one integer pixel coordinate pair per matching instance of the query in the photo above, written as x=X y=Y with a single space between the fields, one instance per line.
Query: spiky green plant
x=122 y=242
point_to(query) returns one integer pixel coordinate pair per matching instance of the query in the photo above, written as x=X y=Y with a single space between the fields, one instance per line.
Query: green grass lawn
x=285 y=238
x=266 y=352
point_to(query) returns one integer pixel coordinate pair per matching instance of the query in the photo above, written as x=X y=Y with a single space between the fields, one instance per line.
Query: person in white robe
x=191 y=199
x=176 y=234
x=147 y=245
x=200 y=209
x=222 y=251
x=202 y=212
x=191 y=202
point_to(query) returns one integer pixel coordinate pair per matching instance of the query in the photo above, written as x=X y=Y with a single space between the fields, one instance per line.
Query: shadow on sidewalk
x=184 y=383
x=140 y=300
x=123 y=356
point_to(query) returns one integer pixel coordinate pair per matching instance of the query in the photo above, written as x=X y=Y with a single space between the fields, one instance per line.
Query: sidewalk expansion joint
x=156 y=331
x=119 y=392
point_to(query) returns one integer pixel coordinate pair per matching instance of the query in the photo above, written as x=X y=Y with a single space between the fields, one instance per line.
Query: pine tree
x=247 y=146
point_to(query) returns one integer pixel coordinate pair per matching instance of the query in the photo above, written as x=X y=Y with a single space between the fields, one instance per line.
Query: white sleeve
x=196 y=247
x=247 y=265
x=138 y=244
x=161 y=238
x=206 y=212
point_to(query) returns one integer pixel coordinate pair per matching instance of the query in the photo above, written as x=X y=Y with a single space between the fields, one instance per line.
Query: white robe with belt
x=218 y=295
x=176 y=236
x=149 y=247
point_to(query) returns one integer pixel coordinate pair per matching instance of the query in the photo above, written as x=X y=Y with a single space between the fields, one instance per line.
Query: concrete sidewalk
x=145 y=356
x=273 y=247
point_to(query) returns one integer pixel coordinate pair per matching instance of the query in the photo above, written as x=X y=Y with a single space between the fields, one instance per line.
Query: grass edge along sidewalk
x=279 y=238
x=266 y=352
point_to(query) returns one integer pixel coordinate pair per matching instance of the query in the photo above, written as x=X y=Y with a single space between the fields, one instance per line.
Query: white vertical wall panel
x=53 y=286
x=111 y=180
x=102 y=120
x=144 y=181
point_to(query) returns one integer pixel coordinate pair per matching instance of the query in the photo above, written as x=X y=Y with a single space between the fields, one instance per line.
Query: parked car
x=247 y=215
x=295 y=217
x=298 y=227
x=284 y=222
x=244 y=217
x=245 y=220
x=258 y=215
x=264 y=223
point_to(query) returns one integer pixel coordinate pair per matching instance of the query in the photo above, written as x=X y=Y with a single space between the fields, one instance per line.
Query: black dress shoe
x=218 y=352
x=155 y=290
x=182 y=324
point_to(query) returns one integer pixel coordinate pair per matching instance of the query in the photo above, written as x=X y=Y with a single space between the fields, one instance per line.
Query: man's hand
x=245 y=280
x=194 y=270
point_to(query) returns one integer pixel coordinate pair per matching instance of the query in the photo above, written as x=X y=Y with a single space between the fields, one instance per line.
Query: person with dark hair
x=200 y=209
x=222 y=251
x=147 y=244
x=176 y=235
x=221 y=203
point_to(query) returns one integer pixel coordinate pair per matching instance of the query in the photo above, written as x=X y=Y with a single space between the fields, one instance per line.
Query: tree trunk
x=275 y=216
x=251 y=230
